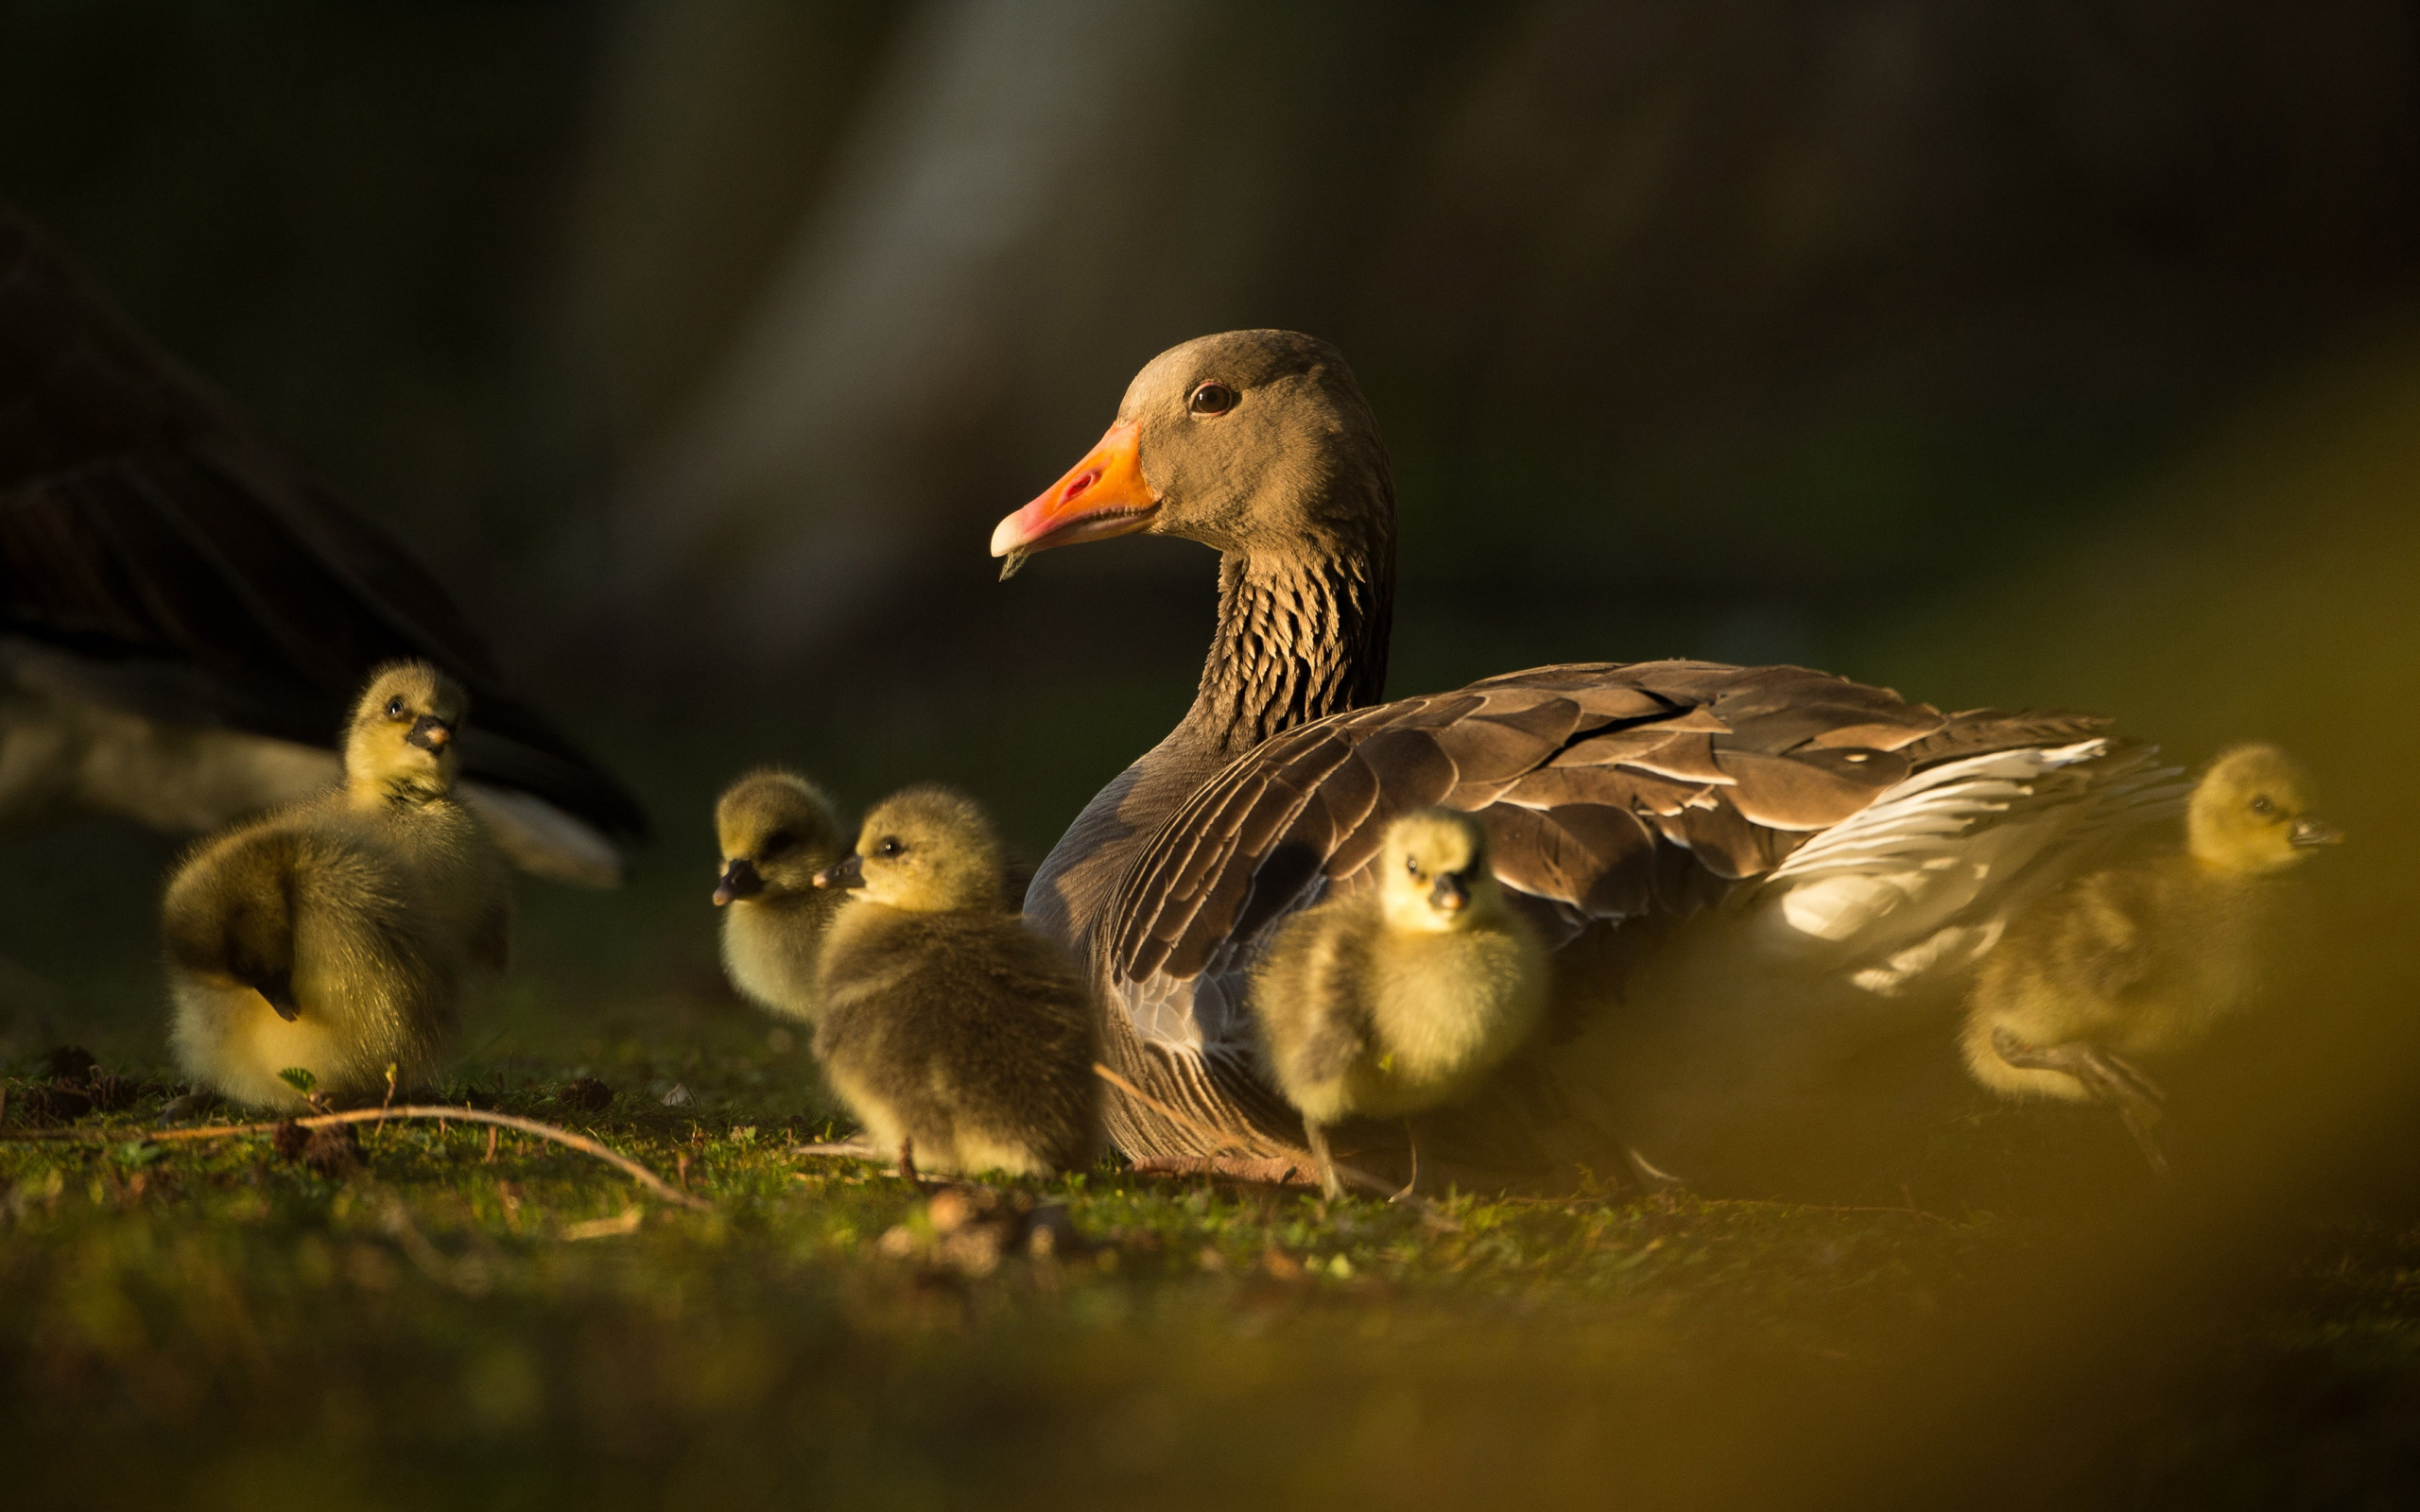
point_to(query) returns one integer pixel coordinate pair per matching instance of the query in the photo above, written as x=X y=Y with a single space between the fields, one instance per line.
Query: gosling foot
x=2141 y=1102
x=1412 y=1139
x=191 y=1106
x=1331 y=1186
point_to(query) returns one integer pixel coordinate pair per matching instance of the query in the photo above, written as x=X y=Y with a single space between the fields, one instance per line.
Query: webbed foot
x=2141 y=1102
x=191 y=1106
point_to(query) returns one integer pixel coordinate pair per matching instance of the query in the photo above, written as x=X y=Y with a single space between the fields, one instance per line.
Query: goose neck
x=1300 y=636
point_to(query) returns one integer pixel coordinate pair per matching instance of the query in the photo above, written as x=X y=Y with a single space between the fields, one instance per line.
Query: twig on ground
x=625 y=1223
x=380 y=1115
x=842 y=1150
x=1273 y=1171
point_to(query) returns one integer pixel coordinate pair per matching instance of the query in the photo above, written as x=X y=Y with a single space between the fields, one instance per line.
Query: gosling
x=777 y=831
x=962 y=1041
x=334 y=936
x=1390 y=1001
x=2144 y=958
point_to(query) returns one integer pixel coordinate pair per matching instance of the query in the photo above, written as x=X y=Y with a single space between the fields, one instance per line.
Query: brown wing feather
x=1610 y=791
x=1972 y=732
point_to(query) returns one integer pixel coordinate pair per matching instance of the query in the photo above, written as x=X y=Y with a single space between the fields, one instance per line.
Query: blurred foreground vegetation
x=512 y=1325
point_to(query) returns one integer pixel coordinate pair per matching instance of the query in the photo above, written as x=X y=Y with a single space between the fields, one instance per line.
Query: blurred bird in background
x=185 y=615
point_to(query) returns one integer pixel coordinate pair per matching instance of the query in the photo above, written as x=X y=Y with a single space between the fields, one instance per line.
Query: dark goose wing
x=1612 y=793
x=159 y=555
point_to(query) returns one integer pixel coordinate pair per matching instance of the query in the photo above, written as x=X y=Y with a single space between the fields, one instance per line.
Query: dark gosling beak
x=2309 y=831
x=739 y=880
x=1450 y=894
x=849 y=872
x=430 y=733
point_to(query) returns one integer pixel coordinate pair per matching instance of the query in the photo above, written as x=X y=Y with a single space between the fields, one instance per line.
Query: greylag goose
x=334 y=936
x=962 y=1041
x=777 y=831
x=1842 y=836
x=1384 y=1002
x=2143 y=958
x=185 y=615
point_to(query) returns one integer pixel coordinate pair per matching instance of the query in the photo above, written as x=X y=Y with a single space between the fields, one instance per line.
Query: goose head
x=399 y=743
x=777 y=829
x=926 y=850
x=2251 y=813
x=1433 y=875
x=1245 y=441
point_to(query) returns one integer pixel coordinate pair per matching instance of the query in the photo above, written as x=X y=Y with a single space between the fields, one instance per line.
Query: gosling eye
x=1212 y=399
x=890 y=847
x=395 y=708
x=777 y=842
x=2261 y=805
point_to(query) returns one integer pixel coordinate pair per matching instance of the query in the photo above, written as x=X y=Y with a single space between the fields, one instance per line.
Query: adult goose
x=1693 y=838
x=185 y=615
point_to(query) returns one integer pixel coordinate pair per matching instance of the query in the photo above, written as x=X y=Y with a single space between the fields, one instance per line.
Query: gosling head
x=2251 y=813
x=400 y=743
x=1433 y=873
x=926 y=850
x=777 y=829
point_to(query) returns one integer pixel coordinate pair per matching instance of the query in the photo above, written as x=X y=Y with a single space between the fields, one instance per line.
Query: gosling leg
x=1316 y=1134
x=2141 y=1102
x=1412 y=1139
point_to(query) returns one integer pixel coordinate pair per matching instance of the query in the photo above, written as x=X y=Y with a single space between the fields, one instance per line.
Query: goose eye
x=394 y=708
x=777 y=842
x=1212 y=399
x=888 y=848
x=2261 y=805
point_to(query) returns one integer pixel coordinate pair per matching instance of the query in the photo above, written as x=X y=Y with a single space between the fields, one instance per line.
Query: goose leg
x=2141 y=1102
x=1410 y=1138
x=1317 y=1136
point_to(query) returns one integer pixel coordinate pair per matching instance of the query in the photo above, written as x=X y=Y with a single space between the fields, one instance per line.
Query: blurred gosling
x=952 y=1032
x=2143 y=958
x=1403 y=997
x=777 y=831
x=334 y=936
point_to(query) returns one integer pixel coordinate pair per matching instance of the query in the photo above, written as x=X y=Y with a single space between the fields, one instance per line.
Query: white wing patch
x=1924 y=880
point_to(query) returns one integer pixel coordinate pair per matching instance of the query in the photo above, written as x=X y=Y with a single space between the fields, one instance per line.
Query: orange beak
x=1101 y=496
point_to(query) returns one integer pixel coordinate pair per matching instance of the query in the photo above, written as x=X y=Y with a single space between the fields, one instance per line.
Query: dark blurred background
x=2050 y=353
x=2056 y=353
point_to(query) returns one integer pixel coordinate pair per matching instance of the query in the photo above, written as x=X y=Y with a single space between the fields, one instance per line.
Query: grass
x=484 y=1324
